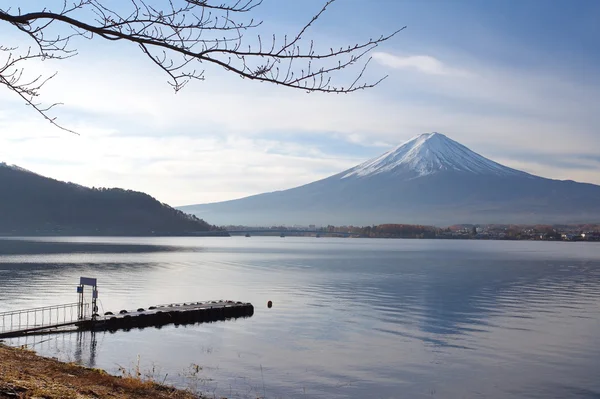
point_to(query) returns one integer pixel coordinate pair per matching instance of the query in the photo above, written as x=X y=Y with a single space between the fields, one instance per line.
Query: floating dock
x=180 y=313
x=153 y=316
x=83 y=316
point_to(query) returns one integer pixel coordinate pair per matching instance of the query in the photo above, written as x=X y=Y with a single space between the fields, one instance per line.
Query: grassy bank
x=23 y=374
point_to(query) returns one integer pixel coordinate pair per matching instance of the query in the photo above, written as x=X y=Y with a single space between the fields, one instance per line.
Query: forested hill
x=33 y=204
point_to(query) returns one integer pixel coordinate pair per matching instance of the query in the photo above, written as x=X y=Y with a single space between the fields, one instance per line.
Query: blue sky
x=516 y=81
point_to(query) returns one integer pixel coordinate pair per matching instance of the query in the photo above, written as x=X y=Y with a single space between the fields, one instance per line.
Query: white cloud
x=583 y=174
x=177 y=169
x=421 y=63
x=207 y=142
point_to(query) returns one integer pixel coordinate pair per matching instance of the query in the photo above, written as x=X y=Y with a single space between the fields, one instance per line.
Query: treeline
x=33 y=204
x=580 y=232
x=388 y=231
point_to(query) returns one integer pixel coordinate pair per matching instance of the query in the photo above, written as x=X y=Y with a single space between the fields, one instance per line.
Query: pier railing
x=17 y=322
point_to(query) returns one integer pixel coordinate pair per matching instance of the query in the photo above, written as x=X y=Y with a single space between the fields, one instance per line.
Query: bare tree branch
x=180 y=35
x=11 y=75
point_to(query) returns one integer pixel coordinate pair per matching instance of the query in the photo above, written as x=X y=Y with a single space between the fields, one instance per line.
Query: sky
x=517 y=81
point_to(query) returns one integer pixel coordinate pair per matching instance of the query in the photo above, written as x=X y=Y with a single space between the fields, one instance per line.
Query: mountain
x=33 y=204
x=430 y=179
x=428 y=154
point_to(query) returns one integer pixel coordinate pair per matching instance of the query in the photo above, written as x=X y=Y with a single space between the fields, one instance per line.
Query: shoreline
x=100 y=235
x=25 y=374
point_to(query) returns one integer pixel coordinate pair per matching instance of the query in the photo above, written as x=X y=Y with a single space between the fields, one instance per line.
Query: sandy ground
x=23 y=374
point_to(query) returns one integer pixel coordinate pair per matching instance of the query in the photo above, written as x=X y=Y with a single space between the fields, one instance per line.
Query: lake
x=351 y=318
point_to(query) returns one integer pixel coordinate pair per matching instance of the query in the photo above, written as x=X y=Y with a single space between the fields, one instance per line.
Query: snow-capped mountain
x=430 y=153
x=430 y=179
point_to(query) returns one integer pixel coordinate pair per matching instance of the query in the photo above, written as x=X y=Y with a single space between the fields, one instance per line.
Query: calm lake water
x=352 y=318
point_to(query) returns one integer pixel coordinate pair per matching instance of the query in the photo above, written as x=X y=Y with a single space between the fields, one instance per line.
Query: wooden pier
x=81 y=316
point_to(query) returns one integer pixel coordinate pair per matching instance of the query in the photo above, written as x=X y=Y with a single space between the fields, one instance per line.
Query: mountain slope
x=33 y=204
x=430 y=179
x=427 y=154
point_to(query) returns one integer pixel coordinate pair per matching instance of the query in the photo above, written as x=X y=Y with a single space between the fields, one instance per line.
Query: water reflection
x=22 y=246
x=351 y=318
x=85 y=348
x=79 y=347
x=447 y=298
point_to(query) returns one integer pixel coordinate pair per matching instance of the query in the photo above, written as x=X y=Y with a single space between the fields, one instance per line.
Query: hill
x=430 y=179
x=31 y=204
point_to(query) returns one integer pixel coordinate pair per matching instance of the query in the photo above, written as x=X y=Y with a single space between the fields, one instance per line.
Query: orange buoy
x=269 y=304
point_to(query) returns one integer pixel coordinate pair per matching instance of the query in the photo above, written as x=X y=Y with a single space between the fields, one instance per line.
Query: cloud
x=422 y=63
x=175 y=168
x=226 y=138
x=552 y=170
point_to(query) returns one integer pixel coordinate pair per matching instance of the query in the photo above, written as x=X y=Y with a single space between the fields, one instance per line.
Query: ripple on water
x=351 y=318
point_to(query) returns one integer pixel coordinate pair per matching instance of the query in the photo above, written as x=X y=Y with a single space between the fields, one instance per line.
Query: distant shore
x=24 y=374
x=83 y=233
x=540 y=232
x=441 y=238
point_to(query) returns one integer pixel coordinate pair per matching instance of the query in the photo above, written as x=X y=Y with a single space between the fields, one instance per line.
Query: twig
x=179 y=37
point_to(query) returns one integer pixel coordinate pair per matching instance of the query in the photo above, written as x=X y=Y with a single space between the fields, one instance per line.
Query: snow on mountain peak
x=430 y=153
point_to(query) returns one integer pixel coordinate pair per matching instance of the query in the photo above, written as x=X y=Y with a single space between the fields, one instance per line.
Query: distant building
x=591 y=236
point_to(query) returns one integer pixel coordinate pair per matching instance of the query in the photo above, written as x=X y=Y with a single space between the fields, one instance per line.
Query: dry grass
x=23 y=374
